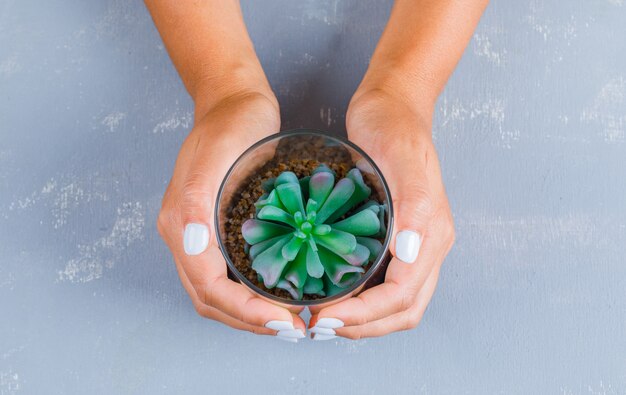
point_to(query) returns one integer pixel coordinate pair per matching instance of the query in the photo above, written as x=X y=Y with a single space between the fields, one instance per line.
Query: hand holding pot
x=234 y=108
x=390 y=117
x=398 y=139
x=186 y=219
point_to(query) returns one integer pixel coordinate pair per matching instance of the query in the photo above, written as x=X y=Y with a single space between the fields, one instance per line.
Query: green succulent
x=301 y=239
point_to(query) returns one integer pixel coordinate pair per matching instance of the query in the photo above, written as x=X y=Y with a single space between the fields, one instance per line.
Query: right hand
x=186 y=220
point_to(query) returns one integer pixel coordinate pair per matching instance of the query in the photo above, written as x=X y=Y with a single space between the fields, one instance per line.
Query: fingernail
x=196 y=239
x=329 y=323
x=279 y=325
x=319 y=336
x=408 y=246
x=291 y=333
x=323 y=331
x=287 y=339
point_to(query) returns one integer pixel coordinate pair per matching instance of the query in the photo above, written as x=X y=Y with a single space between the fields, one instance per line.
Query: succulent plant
x=312 y=235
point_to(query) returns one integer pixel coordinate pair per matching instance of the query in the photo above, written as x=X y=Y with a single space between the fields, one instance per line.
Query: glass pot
x=312 y=145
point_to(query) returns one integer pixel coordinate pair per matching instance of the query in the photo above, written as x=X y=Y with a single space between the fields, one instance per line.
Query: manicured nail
x=329 y=323
x=319 y=336
x=287 y=339
x=291 y=333
x=323 y=331
x=408 y=246
x=279 y=325
x=196 y=239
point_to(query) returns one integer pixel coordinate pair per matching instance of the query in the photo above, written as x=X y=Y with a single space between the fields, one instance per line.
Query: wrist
x=413 y=88
x=240 y=79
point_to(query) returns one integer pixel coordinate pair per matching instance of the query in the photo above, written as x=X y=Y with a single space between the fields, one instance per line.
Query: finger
x=212 y=313
x=397 y=322
x=414 y=209
x=211 y=159
x=197 y=272
x=397 y=293
x=207 y=274
x=288 y=335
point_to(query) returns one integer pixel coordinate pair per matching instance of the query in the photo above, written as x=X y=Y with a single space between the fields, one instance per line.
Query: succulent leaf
x=337 y=198
x=258 y=248
x=313 y=264
x=291 y=196
x=272 y=213
x=320 y=186
x=255 y=231
x=358 y=257
x=270 y=199
x=361 y=192
x=311 y=206
x=373 y=245
x=323 y=168
x=304 y=185
x=337 y=269
x=331 y=289
x=314 y=286
x=322 y=229
x=290 y=250
x=380 y=210
x=363 y=223
x=296 y=271
x=286 y=177
x=337 y=241
x=268 y=184
x=295 y=293
x=270 y=264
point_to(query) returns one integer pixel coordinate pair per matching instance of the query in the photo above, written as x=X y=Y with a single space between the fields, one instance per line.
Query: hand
x=228 y=127
x=398 y=138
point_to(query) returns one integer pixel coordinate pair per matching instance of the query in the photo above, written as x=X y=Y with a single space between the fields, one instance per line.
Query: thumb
x=210 y=164
x=413 y=211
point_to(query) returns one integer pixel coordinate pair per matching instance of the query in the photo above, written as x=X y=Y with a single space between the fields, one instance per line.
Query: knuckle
x=255 y=330
x=202 y=311
x=167 y=217
x=198 y=310
x=356 y=334
x=163 y=221
x=451 y=233
x=195 y=195
x=423 y=203
x=407 y=298
x=244 y=314
x=411 y=322
x=419 y=198
x=364 y=317
x=205 y=293
x=448 y=232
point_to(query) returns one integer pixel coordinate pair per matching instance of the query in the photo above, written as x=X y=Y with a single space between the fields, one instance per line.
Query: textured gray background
x=531 y=131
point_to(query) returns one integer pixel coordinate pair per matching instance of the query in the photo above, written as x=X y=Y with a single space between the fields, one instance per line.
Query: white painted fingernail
x=287 y=339
x=319 y=336
x=279 y=325
x=323 y=331
x=408 y=246
x=291 y=333
x=329 y=323
x=196 y=239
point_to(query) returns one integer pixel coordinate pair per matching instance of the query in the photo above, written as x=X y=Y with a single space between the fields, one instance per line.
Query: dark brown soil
x=288 y=157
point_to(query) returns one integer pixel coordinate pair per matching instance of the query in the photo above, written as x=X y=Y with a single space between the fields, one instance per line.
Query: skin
x=389 y=116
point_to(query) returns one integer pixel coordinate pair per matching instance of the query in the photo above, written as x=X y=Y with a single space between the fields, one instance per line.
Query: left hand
x=397 y=135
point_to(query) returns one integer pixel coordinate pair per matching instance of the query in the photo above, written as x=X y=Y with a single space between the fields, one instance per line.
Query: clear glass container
x=301 y=144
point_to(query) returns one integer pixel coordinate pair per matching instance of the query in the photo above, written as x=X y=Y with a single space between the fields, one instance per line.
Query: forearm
x=208 y=42
x=420 y=47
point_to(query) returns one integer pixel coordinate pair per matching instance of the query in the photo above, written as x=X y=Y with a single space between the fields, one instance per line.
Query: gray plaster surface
x=531 y=132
